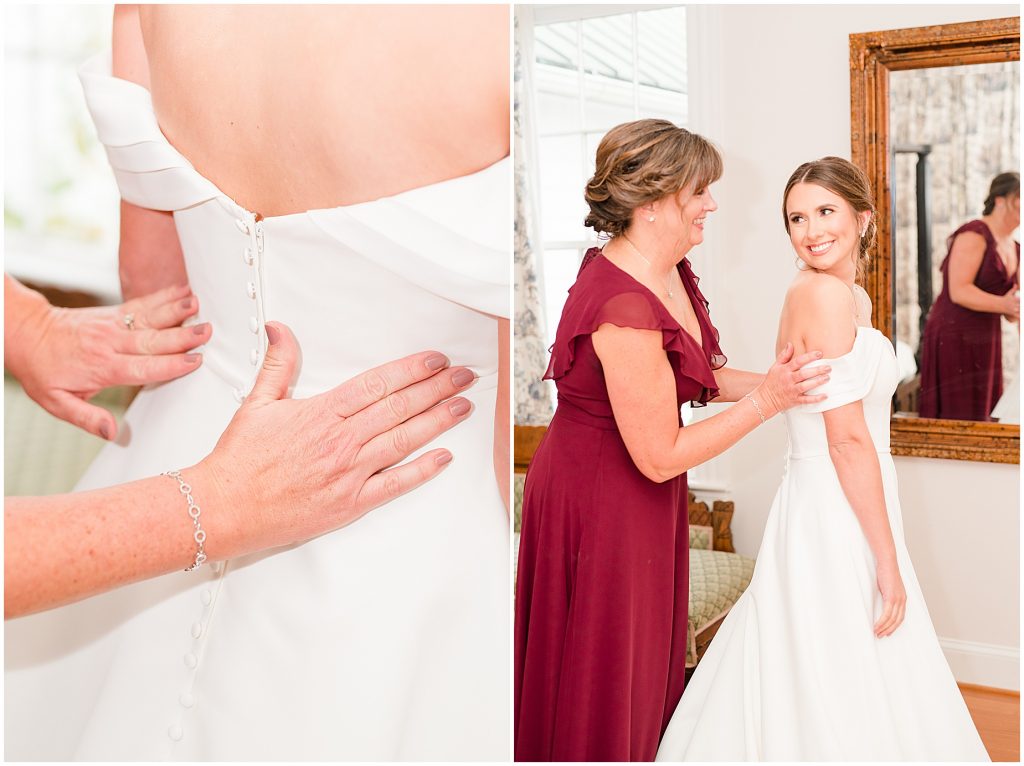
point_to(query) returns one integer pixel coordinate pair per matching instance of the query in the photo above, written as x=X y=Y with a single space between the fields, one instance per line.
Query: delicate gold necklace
x=668 y=287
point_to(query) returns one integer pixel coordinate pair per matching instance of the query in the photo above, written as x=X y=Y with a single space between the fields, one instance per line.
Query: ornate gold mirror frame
x=872 y=56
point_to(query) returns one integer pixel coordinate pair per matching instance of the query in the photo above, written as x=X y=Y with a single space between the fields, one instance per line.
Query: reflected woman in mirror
x=829 y=655
x=962 y=347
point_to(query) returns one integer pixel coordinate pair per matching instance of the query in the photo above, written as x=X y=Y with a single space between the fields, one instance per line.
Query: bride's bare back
x=289 y=108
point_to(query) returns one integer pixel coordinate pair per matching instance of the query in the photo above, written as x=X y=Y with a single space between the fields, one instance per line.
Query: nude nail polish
x=459 y=407
x=436 y=362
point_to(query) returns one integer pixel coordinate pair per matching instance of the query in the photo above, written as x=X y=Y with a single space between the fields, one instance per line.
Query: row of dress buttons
x=176 y=732
x=250 y=256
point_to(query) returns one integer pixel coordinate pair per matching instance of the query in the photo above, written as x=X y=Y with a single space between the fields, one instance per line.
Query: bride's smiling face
x=824 y=228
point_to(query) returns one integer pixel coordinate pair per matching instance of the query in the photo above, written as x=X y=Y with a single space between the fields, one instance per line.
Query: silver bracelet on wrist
x=756 y=406
x=198 y=533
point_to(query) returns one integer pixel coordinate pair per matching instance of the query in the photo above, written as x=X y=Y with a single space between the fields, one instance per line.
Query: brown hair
x=642 y=161
x=1003 y=185
x=844 y=178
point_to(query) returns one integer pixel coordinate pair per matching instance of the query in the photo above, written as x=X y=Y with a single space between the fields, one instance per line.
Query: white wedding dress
x=795 y=673
x=386 y=640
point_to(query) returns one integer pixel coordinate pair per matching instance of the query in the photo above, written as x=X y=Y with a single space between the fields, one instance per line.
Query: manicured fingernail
x=436 y=362
x=444 y=457
x=273 y=334
x=199 y=329
x=462 y=377
x=105 y=431
x=193 y=358
x=817 y=355
x=187 y=303
x=459 y=407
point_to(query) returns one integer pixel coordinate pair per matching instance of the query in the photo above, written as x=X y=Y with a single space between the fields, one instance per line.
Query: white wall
x=771 y=86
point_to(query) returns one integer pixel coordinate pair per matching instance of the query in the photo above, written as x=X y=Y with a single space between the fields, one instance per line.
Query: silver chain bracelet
x=756 y=406
x=198 y=534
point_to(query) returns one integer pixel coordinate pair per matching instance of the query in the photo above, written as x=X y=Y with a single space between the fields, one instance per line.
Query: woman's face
x=824 y=228
x=685 y=213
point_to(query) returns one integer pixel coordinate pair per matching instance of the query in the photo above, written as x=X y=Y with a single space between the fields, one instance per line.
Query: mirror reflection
x=956 y=199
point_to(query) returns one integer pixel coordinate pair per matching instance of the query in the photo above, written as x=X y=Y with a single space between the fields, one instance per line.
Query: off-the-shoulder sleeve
x=852 y=376
x=150 y=172
x=637 y=310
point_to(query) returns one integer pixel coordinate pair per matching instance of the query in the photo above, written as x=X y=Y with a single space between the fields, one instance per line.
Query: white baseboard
x=983 y=664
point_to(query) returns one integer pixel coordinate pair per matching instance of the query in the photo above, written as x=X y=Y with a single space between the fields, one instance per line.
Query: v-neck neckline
x=999 y=257
x=689 y=292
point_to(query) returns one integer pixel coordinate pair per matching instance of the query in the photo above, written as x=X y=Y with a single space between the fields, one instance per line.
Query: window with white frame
x=594 y=67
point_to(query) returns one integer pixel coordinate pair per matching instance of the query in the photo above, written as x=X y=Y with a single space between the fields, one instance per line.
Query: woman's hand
x=786 y=384
x=63 y=357
x=286 y=470
x=1009 y=304
x=894 y=598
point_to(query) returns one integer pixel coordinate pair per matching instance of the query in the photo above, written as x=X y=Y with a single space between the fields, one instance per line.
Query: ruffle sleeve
x=700 y=306
x=852 y=376
x=632 y=307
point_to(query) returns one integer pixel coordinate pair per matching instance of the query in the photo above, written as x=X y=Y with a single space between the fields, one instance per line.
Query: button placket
x=252 y=255
x=251 y=225
x=192 y=658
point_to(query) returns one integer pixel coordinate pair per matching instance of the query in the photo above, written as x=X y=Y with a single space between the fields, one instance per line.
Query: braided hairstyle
x=1003 y=185
x=640 y=162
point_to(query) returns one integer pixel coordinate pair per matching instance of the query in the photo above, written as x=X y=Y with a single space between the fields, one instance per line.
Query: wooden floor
x=996 y=713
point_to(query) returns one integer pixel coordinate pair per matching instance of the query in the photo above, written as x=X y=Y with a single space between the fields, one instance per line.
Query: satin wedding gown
x=795 y=673
x=386 y=640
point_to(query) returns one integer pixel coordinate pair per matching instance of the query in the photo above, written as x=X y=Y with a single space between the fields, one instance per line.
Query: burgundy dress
x=962 y=349
x=602 y=590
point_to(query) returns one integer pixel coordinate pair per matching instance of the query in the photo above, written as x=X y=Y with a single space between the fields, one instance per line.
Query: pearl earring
x=651 y=219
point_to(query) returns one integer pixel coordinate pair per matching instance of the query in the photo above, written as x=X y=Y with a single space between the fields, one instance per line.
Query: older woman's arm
x=62 y=357
x=965 y=259
x=641 y=387
x=733 y=384
x=283 y=472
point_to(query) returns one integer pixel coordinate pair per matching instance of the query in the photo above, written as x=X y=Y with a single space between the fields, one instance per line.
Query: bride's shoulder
x=820 y=310
x=813 y=290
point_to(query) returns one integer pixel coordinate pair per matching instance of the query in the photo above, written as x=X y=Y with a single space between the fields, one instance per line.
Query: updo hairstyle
x=1003 y=185
x=640 y=162
x=844 y=178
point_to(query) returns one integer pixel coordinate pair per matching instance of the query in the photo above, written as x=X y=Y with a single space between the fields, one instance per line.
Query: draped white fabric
x=795 y=673
x=386 y=640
